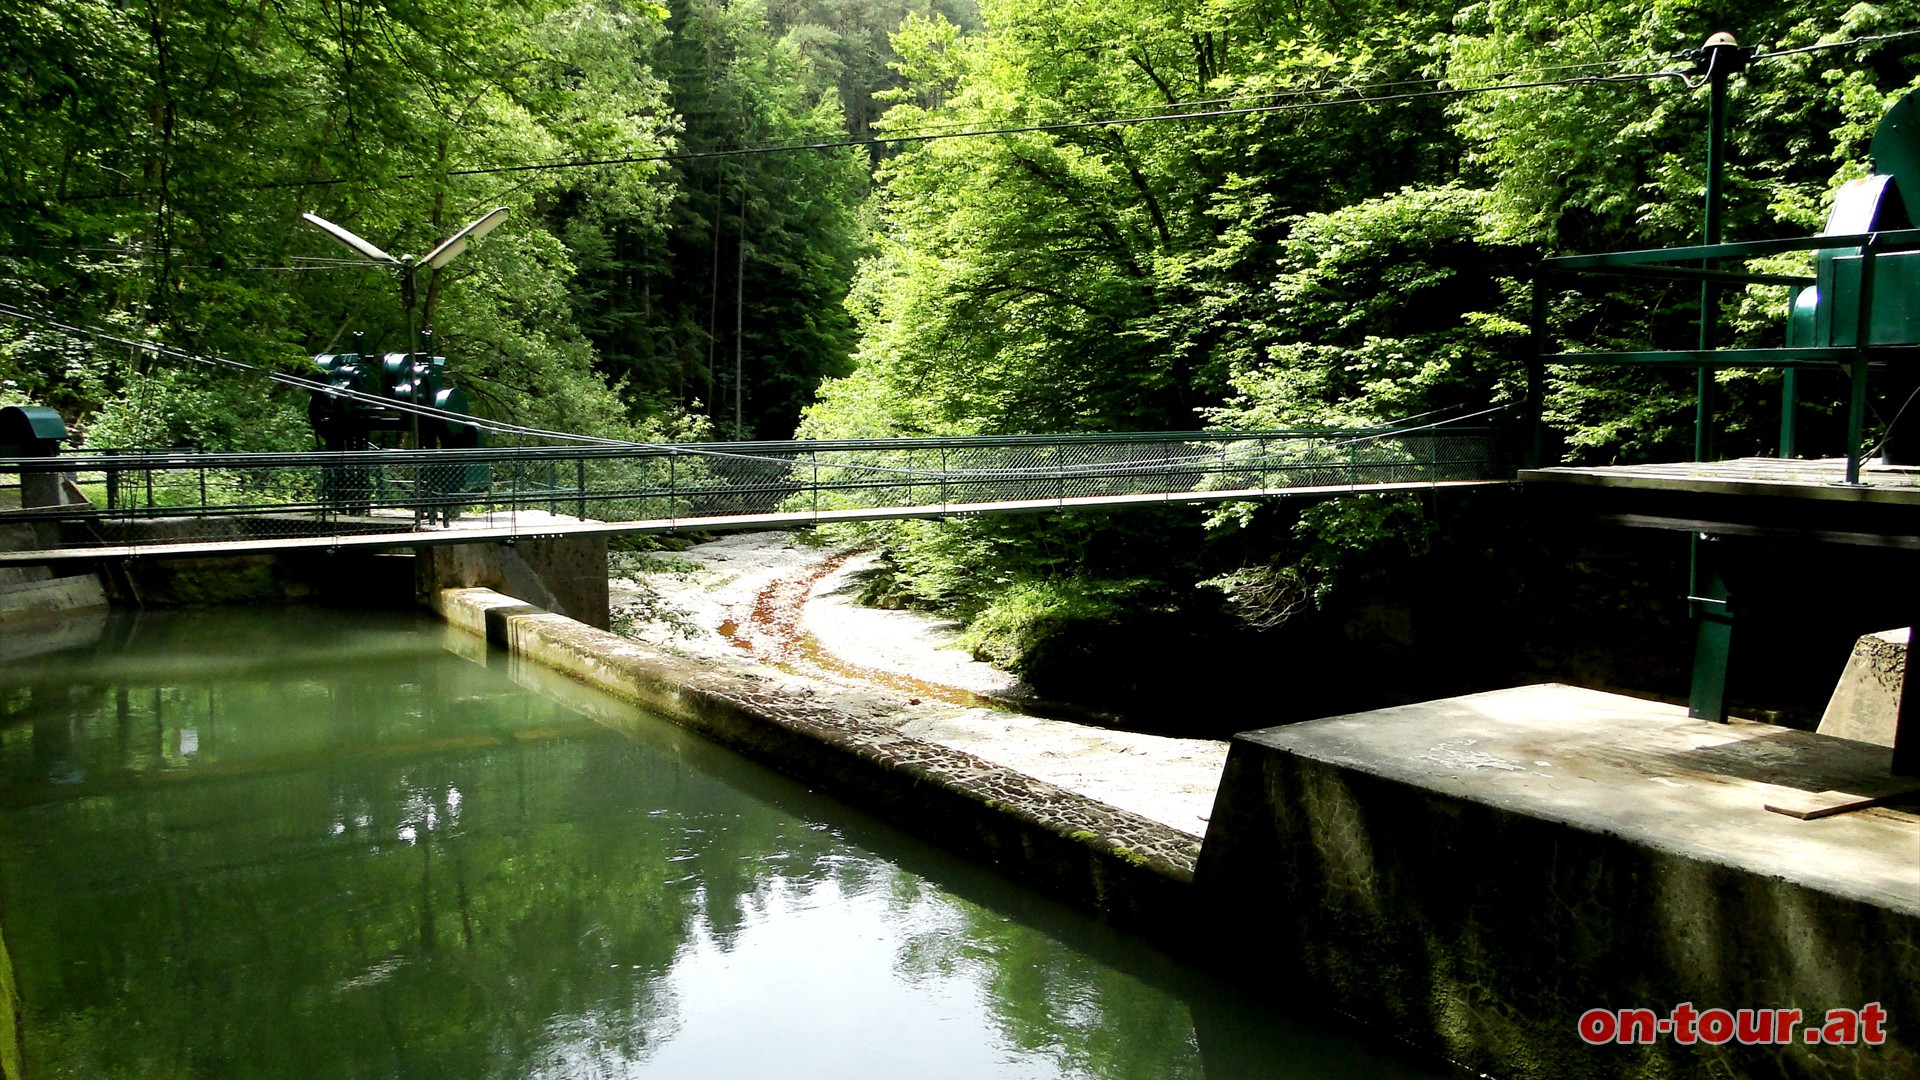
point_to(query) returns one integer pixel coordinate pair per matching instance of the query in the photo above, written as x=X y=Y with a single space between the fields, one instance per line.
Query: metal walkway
x=193 y=504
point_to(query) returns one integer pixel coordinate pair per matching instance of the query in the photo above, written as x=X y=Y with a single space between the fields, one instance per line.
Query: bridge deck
x=187 y=504
x=396 y=529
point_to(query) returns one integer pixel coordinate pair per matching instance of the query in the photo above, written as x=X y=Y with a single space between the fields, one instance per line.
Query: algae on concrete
x=9 y=1017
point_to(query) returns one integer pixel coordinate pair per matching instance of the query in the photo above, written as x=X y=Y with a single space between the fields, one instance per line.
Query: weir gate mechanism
x=1857 y=312
x=194 y=504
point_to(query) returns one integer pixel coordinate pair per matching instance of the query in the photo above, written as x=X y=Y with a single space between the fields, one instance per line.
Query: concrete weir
x=1135 y=870
x=1478 y=872
x=1473 y=874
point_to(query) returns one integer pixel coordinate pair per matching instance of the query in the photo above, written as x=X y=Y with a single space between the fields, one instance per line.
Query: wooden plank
x=1812 y=805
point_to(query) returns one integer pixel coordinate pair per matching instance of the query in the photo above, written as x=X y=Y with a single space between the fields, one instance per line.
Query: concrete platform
x=1477 y=872
x=1782 y=498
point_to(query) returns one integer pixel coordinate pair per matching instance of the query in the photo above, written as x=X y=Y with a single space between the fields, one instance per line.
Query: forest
x=866 y=218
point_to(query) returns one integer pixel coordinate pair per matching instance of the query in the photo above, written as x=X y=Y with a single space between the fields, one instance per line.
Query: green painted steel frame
x=1708 y=593
x=1854 y=361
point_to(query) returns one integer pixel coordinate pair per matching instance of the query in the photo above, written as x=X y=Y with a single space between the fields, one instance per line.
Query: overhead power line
x=1823 y=46
x=1177 y=111
x=1401 y=428
x=1355 y=95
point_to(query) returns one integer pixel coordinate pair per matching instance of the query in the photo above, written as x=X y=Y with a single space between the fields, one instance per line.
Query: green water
x=313 y=844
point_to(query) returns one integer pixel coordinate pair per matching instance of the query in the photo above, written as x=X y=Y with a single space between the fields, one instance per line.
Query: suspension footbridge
x=104 y=506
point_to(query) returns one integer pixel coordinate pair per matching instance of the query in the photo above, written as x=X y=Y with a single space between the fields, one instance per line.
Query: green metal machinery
x=368 y=394
x=1855 y=298
x=1858 y=312
x=377 y=390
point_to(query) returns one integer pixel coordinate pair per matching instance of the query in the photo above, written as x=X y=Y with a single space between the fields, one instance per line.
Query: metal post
x=1857 y=377
x=1530 y=456
x=1713 y=639
x=580 y=479
x=739 y=312
x=1706 y=588
x=1723 y=56
x=1789 y=407
x=1856 y=416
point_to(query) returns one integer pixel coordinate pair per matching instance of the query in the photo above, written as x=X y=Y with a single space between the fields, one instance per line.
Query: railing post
x=1530 y=455
x=1723 y=57
x=943 y=477
x=1857 y=378
x=580 y=481
x=1789 y=406
x=814 y=456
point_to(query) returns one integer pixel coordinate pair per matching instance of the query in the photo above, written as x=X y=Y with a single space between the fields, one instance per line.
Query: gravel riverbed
x=769 y=598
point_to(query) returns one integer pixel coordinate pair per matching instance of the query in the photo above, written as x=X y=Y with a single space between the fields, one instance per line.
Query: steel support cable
x=314 y=385
x=1134 y=467
x=1823 y=46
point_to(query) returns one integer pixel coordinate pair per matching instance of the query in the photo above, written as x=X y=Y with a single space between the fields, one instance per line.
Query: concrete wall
x=567 y=575
x=9 y=1018
x=1483 y=931
x=1866 y=701
x=1135 y=871
x=33 y=593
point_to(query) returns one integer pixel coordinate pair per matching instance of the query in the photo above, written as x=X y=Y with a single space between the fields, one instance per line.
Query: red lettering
x=1598 y=1026
x=1842 y=1026
x=1716 y=1026
x=1873 y=1021
x=1638 y=1026
x=1683 y=1020
x=1784 y=1021
x=1753 y=1026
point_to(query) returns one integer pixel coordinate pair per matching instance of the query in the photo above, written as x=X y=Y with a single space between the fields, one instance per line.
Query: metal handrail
x=528 y=491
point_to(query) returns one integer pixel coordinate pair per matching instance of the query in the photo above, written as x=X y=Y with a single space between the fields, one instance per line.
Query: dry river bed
x=766 y=598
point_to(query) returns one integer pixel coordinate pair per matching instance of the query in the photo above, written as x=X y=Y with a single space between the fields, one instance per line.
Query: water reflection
x=260 y=845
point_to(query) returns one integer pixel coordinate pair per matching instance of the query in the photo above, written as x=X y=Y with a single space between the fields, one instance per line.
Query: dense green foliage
x=1345 y=265
x=1339 y=231
x=157 y=157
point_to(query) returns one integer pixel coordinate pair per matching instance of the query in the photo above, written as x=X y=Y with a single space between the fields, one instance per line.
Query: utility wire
x=500 y=427
x=1825 y=45
x=928 y=135
x=961 y=131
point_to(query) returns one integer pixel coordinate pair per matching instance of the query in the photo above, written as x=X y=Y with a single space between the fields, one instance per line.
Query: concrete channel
x=1472 y=875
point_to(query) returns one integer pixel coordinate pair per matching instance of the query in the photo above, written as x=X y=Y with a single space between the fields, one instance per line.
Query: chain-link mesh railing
x=394 y=497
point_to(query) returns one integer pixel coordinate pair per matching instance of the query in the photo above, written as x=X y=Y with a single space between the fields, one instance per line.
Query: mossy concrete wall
x=9 y=1017
x=1135 y=871
x=566 y=575
x=1449 y=909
